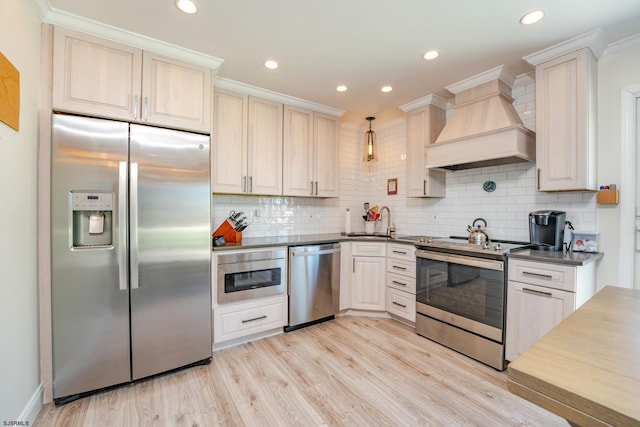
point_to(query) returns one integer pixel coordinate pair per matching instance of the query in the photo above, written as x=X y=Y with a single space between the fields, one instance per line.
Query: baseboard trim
x=31 y=411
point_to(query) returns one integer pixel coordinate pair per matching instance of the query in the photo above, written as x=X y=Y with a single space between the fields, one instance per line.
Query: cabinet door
x=229 y=151
x=298 y=178
x=176 y=94
x=367 y=284
x=265 y=147
x=565 y=122
x=326 y=155
x=95 y=77
x=423 y=127
x=532 y=311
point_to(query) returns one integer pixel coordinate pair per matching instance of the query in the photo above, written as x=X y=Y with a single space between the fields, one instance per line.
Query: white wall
x=617 y=69
x=19 y=372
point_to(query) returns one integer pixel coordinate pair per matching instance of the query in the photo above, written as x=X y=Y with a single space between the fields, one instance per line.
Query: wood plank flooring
x=351 y=371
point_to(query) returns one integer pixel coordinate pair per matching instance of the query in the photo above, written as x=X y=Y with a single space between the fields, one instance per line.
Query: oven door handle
x=462 y=260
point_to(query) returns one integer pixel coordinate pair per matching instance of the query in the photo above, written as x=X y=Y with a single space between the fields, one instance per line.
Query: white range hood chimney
x=484 y=128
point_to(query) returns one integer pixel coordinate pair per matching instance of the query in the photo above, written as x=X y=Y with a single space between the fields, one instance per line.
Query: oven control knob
x=429 y=240
x=485 y=245
x=497 y=247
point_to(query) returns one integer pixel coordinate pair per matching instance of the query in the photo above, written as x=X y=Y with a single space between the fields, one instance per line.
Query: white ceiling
x=363 y=44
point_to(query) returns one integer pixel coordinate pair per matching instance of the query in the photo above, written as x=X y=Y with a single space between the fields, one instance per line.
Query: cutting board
x=9 y=93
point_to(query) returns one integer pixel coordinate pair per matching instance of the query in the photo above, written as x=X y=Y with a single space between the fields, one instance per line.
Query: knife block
x=227 y=231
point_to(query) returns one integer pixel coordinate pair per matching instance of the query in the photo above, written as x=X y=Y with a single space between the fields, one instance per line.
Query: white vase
x=369 y=227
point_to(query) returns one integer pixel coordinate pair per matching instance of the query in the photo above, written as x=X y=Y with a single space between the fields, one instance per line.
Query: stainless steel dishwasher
x=314 y=284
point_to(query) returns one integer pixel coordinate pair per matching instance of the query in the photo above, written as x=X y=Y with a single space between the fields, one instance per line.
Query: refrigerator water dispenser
x=92 y=219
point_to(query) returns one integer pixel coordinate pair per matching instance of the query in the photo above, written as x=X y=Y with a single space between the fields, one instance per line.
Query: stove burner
x=495 y=249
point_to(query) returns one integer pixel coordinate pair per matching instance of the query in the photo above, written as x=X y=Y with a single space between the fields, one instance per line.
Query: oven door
x=463 y=291
x=251 y=279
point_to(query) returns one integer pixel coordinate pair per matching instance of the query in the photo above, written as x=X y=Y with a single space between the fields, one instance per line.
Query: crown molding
x=431 y=99
x=595 y=40
x=57 y=17
x=501 y=72
x=235 y=86
x=623 y=44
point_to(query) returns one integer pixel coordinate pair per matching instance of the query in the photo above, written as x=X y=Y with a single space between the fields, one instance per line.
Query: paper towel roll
x=347 y=223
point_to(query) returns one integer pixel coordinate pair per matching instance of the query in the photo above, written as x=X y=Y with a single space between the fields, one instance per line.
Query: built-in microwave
x=251 y=274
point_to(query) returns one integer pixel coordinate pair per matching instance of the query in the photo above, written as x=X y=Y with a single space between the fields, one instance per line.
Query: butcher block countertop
x=587 y=369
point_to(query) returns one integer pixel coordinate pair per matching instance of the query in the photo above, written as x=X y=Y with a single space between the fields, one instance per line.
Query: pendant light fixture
x=370 y=143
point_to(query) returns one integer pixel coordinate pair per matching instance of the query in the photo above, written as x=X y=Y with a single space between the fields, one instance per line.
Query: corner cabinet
x=310 y=166
x=101 y=78
x=423 y=127
x=247 y=145
x=566 y=122
x=368 y=266
x=539 y=296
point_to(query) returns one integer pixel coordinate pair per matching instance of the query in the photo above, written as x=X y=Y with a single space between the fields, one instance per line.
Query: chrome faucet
x=391 y=228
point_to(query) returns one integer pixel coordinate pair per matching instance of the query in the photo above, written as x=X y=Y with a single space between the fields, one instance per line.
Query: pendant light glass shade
x=370 y=154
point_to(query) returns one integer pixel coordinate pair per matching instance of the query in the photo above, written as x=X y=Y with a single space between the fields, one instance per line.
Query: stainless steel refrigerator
x=130 y=252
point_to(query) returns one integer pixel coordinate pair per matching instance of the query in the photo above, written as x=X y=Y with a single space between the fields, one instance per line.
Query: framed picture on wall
x=392 y=186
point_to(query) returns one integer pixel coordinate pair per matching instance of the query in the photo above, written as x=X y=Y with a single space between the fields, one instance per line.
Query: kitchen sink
x=383 y=236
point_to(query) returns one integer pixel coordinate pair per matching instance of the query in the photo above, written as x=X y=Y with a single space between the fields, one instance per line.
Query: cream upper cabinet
x=95 y=77
x=229 y=142
x=310 y=165
x=566 y=122
x=175 y=94
x=423 y=127
x=247 y=145
x=101 y=78
x=264 y=175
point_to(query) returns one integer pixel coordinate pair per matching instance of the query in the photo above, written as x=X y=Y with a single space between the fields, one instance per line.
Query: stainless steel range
x=461 y=295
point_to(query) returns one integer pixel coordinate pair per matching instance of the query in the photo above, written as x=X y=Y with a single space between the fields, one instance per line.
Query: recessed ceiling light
x=271 y=64
x=187 y=6
x=341 y=88
x=532 y=17
x=431 y=54
x=386 y=89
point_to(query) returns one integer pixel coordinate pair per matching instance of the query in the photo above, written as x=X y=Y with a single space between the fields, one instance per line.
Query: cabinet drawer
x=239 y=320
x=403 y=283
x=400 y=251
x=405 y=268
x=543 y=274
x=402 y=304
x=368 y=249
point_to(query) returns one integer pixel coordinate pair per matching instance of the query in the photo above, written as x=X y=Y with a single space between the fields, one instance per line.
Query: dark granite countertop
x=311 y=239
x=557 y=257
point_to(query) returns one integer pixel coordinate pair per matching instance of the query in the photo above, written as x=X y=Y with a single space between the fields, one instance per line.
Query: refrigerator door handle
x=122 y=226
x=133 y=224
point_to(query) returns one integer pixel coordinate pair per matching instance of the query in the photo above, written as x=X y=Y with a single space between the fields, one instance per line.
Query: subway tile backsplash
x=505 y=210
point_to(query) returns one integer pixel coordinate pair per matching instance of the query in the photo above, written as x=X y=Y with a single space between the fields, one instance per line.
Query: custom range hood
x=484 y=128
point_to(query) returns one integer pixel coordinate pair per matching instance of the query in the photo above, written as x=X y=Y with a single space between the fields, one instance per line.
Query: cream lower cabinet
x=368 y=266
x=539 y=296
x=401 y=281
x=247 y=145
x=237 y=321
x=97 y=77
x=423 y=127
x=310 y=166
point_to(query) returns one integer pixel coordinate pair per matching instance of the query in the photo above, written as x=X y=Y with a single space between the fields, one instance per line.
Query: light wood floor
x=351 y=371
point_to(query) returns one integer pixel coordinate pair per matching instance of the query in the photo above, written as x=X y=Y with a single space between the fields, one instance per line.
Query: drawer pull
x=533 y=291
x=395 y=282
x=399 y=252
x=254 y=319
x=397 y=267
x=542 y=276
x=401 y=305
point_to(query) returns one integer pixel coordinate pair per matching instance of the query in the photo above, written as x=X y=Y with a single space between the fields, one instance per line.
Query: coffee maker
x=546 y=230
